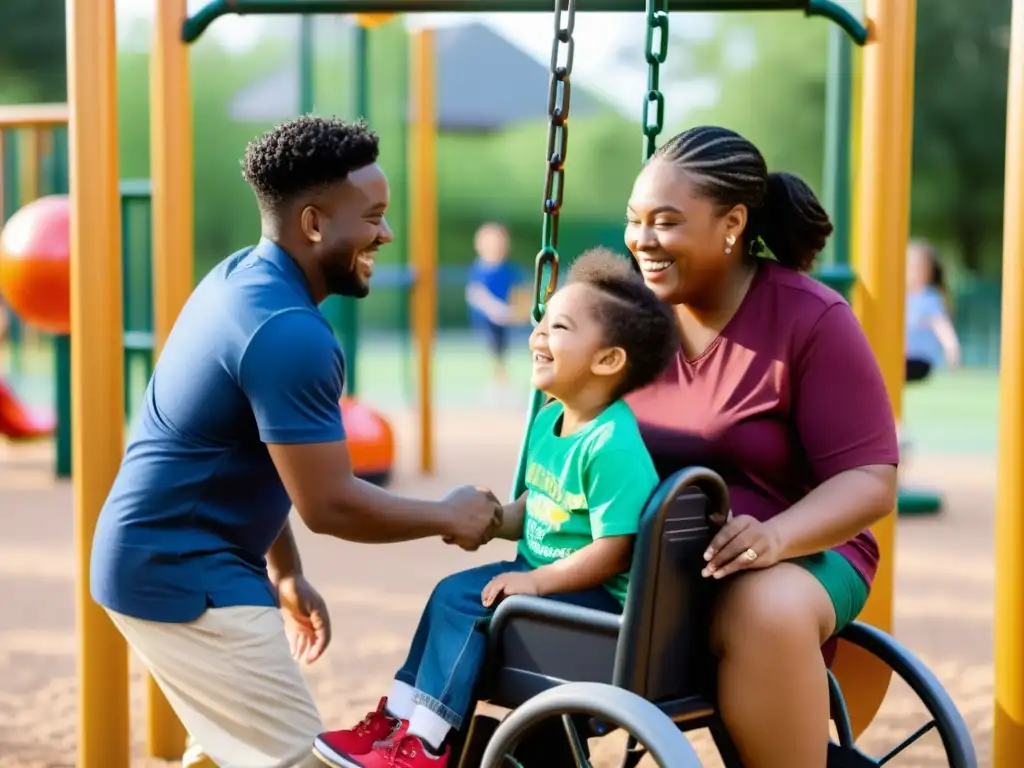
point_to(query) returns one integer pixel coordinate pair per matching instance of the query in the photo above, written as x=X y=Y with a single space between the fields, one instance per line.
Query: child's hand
x=505 y=584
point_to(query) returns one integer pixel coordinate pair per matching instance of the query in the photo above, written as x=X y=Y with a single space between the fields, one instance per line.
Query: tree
x=960 y=127
x=771 y=69
x=33 y=37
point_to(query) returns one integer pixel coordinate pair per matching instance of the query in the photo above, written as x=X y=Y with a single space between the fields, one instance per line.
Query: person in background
x=931 y=337
x=489 y=289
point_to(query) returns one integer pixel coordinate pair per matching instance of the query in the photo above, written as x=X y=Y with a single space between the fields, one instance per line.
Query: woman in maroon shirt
x=776 y=388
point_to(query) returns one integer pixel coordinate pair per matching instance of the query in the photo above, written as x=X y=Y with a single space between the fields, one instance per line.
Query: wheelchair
x=569 y=673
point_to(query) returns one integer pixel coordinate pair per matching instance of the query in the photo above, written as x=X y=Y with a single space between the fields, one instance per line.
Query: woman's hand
x=306 y=621
x=506 y=584
x=743 y=543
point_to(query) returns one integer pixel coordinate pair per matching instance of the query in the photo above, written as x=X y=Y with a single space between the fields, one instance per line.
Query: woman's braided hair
x=783 y=212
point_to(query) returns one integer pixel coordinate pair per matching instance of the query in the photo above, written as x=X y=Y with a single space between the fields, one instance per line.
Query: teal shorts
x=846 y=589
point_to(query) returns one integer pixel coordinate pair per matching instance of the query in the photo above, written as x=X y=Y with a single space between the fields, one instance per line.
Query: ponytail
x=791 y=223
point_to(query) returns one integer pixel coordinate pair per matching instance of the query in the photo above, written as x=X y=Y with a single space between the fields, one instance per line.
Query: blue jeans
x=450 y=645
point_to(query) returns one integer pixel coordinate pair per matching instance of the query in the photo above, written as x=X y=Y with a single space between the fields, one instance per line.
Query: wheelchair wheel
x=641 y=719
x=945 y=718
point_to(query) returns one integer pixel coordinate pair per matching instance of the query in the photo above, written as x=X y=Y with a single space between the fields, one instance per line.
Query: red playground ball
x=35 y=264
x=371 y=442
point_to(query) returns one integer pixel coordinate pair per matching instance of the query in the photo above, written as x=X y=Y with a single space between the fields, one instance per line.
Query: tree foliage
x=32 y=50
x=771 y=72
x=960 y=126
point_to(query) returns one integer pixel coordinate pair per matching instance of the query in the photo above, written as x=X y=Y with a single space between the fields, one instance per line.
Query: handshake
x=474 y=517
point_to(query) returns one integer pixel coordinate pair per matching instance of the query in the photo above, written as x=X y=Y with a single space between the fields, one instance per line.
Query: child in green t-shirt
x=588 y=478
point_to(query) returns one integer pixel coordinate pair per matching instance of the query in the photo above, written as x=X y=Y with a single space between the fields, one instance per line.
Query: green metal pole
x=405 y=292
x=62 y=344
x=307 y=65
x=198 y=22
x=12 y=201
x=348 y=314
x=331 y=306
x=836 y=272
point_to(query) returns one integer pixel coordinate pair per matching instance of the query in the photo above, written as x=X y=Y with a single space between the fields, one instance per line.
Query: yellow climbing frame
x=881 y=211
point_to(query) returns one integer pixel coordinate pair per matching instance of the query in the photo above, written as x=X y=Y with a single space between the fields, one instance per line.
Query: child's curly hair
x=630 y=314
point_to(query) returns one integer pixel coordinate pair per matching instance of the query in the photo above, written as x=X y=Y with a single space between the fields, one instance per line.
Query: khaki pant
x=232 y=681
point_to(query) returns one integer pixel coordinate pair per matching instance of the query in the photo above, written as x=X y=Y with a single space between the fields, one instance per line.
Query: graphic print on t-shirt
x=585 y=486
x=547 y=511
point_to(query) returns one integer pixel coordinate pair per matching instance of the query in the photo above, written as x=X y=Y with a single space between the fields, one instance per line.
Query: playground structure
x=881 y=208
x=34 y=270
x=44 y=138
x=35 y=282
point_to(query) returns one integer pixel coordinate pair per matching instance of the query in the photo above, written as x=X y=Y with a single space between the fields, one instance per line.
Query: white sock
x=431 y=728
x=400 y=703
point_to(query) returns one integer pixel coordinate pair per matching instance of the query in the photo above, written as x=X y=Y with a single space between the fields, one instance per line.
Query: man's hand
x=474 y=515
x=305 y=618
x=506 y=584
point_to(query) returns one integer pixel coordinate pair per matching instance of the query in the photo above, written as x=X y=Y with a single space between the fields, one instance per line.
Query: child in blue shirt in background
x=931 y=338
x=489 y=287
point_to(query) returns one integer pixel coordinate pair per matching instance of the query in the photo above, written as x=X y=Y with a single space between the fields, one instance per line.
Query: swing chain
x=655 y=51
x=559 y=92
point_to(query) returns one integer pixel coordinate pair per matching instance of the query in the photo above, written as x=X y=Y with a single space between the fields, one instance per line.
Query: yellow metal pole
x=97 y=388
x=29 y=171
x=171 y=171
x=1008 y=729
x=423 y=226
x=881 y=206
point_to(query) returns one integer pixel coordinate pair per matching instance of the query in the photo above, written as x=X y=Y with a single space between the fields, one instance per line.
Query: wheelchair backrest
x=663 y=652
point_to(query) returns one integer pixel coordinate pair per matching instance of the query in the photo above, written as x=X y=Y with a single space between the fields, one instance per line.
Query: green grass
x=953 y=412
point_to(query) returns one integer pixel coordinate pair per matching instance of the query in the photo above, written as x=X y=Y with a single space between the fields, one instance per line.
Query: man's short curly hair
x=304 y=154
x=633 y=318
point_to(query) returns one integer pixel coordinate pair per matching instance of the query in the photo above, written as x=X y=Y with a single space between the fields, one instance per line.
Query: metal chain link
x=657 y=35
x=559 y=92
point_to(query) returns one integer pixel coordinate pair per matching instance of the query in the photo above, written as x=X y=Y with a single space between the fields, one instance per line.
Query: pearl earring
x=729 y=241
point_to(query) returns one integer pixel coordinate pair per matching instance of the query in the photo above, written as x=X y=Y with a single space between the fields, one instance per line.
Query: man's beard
x=346 y=282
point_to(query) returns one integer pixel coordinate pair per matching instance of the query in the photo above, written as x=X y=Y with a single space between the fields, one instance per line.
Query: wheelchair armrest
x=551 y=613
x=536 y=644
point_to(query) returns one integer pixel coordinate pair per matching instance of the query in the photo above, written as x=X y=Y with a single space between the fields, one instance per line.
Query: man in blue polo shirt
x=193 y=555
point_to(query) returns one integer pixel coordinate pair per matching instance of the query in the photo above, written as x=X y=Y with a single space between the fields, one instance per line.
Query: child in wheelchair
x=588 y=478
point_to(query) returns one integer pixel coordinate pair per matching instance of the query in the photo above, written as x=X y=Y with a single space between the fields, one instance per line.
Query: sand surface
x=944 y=598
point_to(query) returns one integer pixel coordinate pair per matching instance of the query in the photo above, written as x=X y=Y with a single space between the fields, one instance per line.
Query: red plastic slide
x=18 y=421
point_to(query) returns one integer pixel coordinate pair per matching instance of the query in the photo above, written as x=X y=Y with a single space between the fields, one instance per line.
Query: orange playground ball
x=370 y=441
x=35 y=264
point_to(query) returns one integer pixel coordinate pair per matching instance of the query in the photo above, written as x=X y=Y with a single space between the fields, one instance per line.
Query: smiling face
x=570 y=354
x=346 y=226
x=679 y=237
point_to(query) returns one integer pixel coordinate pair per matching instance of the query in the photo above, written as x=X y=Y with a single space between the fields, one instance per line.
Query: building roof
x=485 y=83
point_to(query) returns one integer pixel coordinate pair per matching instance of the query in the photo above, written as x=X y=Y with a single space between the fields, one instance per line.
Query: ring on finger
x=751 y=555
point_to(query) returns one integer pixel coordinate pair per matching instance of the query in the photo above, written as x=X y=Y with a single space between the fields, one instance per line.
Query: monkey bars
x=197 y=23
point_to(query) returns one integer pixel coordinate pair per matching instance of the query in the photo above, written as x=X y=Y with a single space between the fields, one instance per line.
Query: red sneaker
x=342 y=748
x=404 y=751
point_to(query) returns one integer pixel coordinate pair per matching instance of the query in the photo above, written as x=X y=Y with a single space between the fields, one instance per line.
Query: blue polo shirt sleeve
x=293 y=373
